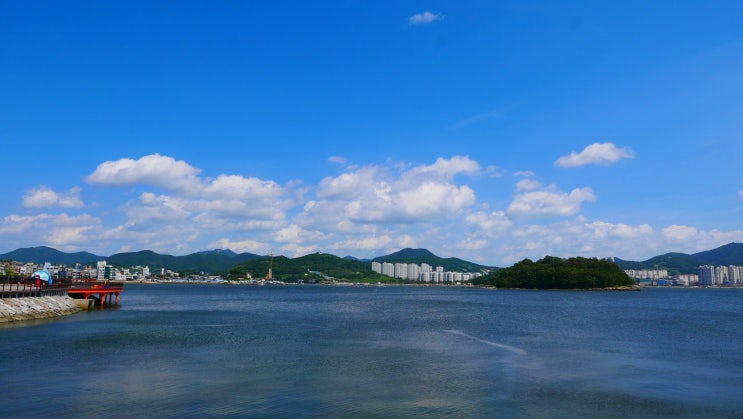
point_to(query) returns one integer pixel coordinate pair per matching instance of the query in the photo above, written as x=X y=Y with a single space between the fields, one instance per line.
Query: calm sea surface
x=310 y=351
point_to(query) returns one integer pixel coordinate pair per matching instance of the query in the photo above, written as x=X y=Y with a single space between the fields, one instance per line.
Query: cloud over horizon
x=376 y=194
x=372 y=209
x=548 y=202
x=604 y=154
x=424 y=18
x=43 y=196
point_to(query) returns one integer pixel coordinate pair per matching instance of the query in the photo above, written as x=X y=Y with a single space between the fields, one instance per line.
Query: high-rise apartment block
x=720 y=275
x=421 y=273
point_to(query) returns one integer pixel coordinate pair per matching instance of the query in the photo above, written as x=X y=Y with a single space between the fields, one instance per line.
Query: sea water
x=394 y=351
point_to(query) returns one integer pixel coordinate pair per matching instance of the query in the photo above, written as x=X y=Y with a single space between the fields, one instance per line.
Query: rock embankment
x=27 y=308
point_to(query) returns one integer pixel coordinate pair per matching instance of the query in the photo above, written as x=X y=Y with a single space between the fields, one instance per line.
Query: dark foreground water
x=321 y=351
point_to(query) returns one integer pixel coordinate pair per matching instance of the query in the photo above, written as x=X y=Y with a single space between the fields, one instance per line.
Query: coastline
x=30 y=308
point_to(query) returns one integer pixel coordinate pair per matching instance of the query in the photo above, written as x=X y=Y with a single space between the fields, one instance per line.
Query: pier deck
x=103 y=292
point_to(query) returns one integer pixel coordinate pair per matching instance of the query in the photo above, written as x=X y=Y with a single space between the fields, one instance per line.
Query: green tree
x=556 y=273
x=8 y=271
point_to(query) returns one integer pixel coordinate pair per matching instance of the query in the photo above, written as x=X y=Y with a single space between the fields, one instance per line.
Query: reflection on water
x=183 y=350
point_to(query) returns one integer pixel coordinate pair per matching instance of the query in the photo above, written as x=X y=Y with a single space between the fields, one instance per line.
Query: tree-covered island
x=556 y=273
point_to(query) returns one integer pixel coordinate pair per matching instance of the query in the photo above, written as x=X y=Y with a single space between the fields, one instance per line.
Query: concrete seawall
x=27 y=308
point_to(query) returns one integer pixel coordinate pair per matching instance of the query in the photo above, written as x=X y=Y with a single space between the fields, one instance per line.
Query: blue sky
x=489 y=131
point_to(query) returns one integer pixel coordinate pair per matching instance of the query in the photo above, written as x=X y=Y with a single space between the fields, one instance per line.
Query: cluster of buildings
x=720 y=275
x=661 y=277
x=104 y=271
x=708 y=276
x=420 y=273
x=101 y=272
x=651 y=274
x=657 y=277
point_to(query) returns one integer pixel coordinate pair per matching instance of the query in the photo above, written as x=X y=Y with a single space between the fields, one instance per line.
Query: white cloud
x=296 y=234
x=604 y=154
x=232 y=187
x=376 y=194
x=406 y=206
x=472 y=244
x=424 y=18
x=195 y=207
x=295 y=250
x=579 y=237
x=62 y=231
x=337 y=159
x=355 y=203
x=527 y=185
x=363 y=243
x=680 y=232
x=602 y=230
x=159 y=208
x=494 y=171
x=447 y=168
x=491 y=225
x=407 y=241
x=740 y=193
x=241 y=246
x=44 y=197
x=524 y=173
x=432 y=199
x=182 y=178
x=549 y=202
x=208 y=216
x=39 y=225
x=365 y=211
x=352 y=184
x=154 y=170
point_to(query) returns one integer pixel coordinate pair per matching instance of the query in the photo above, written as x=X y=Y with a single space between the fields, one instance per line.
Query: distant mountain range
x=224 y=260
x=43 y=254
x=221 y=261
x=681 y=263
x=212 y=261
x=419 y=256
x=318 y=266
x=311 y=268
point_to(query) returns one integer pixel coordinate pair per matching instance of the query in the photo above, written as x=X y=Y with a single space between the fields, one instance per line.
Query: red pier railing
x=104 y=292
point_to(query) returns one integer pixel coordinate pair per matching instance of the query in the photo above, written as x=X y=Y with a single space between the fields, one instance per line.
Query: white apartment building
x=686 y=279
x=653 y=274
x=388 y=269
x=414 y=272
x=401 y=270
x=734 y=274
x=422 y=273
x=377 y=267
x=101 y=270
x=720 y=275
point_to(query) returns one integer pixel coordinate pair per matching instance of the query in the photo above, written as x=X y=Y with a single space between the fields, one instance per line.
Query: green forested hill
x=675 y=263
x=208 y=262
x=220 y=261
x=419 y=256
x=682 y=263
x=313 y=267
x=43 y=254
x=556 y=273
x=729 y=254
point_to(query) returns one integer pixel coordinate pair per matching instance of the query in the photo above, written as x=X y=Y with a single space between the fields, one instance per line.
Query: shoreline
x=32 y=308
